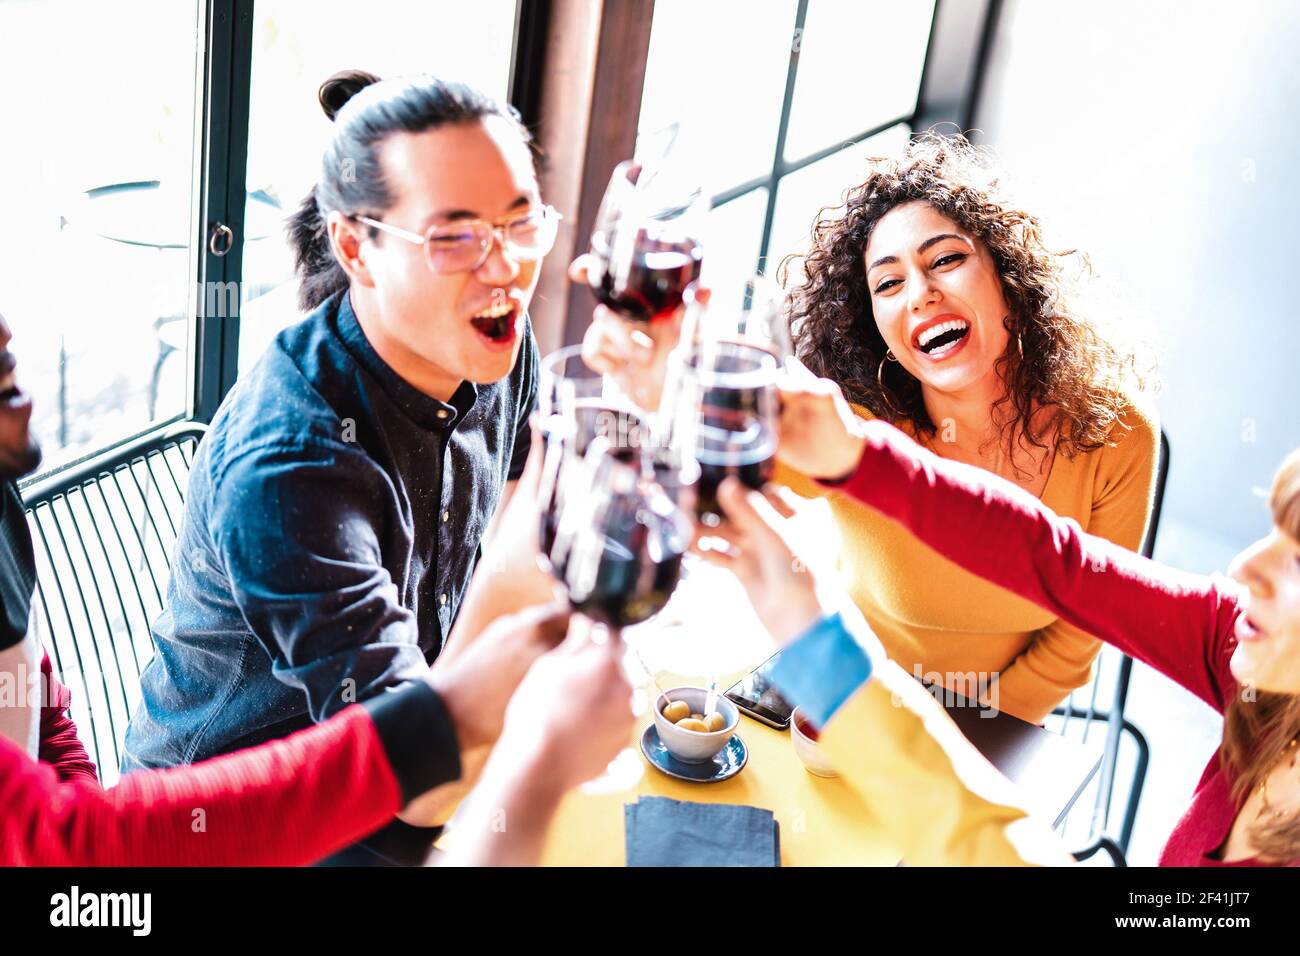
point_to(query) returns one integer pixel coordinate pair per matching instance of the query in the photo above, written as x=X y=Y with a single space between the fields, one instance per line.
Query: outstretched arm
x=937 y=797
x=274 y=804
x=1181 y=624
x=1059 y=658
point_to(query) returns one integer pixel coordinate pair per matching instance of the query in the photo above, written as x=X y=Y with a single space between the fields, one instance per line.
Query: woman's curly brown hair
x=1067 y=363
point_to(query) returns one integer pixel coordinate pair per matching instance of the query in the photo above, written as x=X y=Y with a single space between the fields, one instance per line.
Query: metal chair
x=1116 y=724
x=103 y=530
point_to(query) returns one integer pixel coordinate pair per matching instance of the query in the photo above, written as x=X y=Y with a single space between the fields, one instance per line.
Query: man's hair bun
x=341 y=87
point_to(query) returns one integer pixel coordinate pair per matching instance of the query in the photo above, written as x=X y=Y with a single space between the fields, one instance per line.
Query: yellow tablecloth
x=822 y=823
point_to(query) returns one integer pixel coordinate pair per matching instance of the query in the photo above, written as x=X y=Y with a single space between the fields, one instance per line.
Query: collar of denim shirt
x=424 y=410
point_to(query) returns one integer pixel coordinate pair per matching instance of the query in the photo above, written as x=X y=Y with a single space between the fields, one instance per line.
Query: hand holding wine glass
x=645 y=243
x=633 y=354
x=570 y=717
x=645 y=252
x=572 y=713
x=477 y=681
x=820 y=435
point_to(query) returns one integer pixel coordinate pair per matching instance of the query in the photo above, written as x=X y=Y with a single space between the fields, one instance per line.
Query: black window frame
x=952 y=74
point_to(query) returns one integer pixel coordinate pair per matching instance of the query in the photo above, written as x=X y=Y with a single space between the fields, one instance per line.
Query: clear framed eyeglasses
x=464 y=245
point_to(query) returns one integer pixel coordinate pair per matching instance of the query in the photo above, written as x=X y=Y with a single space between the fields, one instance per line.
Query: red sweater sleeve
x=1179 y=623
x=289 y=802
x=60 y=745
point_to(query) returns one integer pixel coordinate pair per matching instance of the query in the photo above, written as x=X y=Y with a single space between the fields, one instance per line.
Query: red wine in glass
x=591 y=418
x=753 y=467
x=639 y=567
x=647 y=281
x=734 y=424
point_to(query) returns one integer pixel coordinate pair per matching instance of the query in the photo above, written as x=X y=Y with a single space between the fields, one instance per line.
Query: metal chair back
x=103 y=531
x=1081 y=713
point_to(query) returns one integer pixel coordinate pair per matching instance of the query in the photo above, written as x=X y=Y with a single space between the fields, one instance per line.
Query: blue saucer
x=727 y=762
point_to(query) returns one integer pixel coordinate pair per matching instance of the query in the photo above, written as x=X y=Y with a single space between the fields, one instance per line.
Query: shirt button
x=442 y=413
x=442 y=599
x=446 y=516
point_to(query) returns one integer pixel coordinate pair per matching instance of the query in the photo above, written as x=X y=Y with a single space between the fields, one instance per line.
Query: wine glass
x=573 y=397
x=749 y=311
x=645 y=244
x=619 y=541
x=725 y=417
x=618 y=555
x=577 y=405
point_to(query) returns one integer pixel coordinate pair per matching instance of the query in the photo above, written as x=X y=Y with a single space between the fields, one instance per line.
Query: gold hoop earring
x=880 y=383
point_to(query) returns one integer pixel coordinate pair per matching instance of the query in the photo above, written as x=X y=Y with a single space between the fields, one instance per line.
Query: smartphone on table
x=756 y=696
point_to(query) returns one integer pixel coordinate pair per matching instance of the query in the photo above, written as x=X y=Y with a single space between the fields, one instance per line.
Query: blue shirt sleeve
x=821 y=669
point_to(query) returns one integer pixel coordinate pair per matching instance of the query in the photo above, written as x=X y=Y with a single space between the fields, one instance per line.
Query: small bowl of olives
x=690 y=734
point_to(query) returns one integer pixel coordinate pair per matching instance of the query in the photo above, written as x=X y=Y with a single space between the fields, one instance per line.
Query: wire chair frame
x=1112 y=717
x=103 y=532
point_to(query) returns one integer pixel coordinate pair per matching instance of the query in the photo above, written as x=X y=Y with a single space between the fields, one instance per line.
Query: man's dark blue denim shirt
x=332 y=523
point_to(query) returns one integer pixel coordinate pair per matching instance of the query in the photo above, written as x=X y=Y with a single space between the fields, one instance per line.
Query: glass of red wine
x=645 y=245
x=725 y=417
x=577 y=405
x=620 y=540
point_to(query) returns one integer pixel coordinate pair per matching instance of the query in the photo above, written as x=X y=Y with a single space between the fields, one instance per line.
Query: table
x=150 y=214
x=156 y=215
x=822 y=822
x=709 y=627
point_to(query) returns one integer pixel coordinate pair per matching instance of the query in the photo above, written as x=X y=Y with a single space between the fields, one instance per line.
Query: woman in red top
x=1234 y=645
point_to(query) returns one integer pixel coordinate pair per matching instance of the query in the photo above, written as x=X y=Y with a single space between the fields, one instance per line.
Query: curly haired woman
x=936 y=305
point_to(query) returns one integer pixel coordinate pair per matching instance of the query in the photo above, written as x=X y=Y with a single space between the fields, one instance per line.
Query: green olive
x=690 y=723
x=715 y=722
x=676 y=710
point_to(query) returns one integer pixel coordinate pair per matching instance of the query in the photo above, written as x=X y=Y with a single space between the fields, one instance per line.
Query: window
x=780 y=103
x=859 y=69
x=804 y=192
x=719 y=69
x=105 y=118
x=98 y=172
x=296 y=45
x=105 y=114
